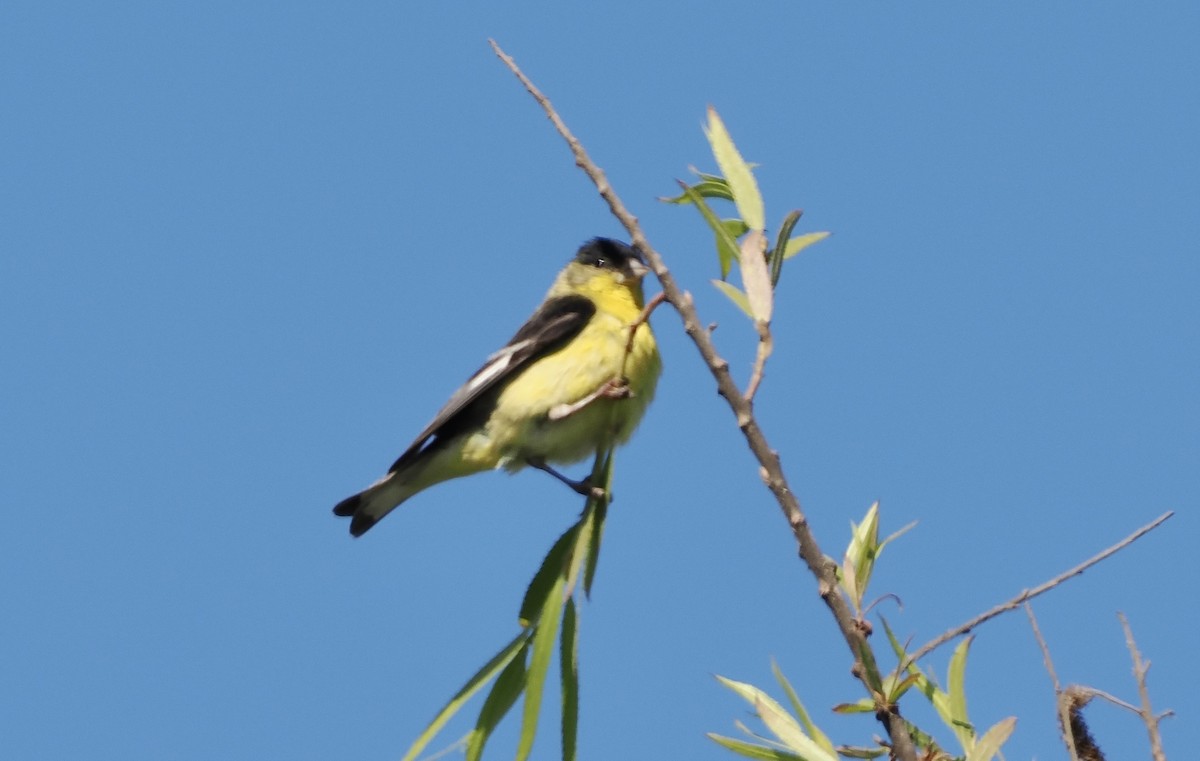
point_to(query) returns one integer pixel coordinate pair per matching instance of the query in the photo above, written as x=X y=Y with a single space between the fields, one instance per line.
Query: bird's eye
x=601 y=262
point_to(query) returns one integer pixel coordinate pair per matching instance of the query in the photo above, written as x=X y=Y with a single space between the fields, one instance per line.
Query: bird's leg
x=614 y=388
x=583 y=487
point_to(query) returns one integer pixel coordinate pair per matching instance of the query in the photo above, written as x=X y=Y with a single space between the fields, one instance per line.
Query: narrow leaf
x=777 y=254
x=956 y=688
x=750 y=750
x=602 y=474
x=505 y=691
x=550 y=572
x=756 y=279
x=801 y=242
x=737 y=297
x=812 y=729
x=899 y=688
x=735 y=227
x=860 y=554
x=894 y=535
x=756 y=736
x=989 y=745
x=871 y=670
x=544 y=637
x=568 y=659
x=782 y=724
x=897 y=648
x=737 y=172
x=863 y=705
x=727 y=247
x=579 y=549
x=490 y=669
x=708 y=188
x=863 y=752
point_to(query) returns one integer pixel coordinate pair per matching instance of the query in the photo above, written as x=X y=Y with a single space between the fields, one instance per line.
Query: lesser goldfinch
x=563 y=387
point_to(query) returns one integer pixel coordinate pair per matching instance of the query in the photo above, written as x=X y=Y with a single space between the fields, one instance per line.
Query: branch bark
x=771 y=468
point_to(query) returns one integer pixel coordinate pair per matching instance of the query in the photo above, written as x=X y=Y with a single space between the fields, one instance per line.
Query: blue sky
x=246 y=252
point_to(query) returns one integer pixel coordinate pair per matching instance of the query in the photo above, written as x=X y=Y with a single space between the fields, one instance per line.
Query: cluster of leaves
x=760 y=268
x=548 y=616
x=796 y=737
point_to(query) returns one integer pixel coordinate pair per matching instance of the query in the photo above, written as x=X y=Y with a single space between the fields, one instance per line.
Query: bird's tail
x=368 y=507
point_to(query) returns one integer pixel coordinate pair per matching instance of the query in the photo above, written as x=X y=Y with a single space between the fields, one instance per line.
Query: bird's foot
x=583 y=486
x=614 y=388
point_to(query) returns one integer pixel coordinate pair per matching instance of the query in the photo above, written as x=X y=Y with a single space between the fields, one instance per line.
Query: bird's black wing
x=556 y=322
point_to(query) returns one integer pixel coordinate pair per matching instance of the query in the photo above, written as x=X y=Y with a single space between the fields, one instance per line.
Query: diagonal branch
x=1029 y=594
x=771 y=469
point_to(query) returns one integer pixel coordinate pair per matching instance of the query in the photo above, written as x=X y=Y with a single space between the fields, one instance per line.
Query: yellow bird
x=563 y=387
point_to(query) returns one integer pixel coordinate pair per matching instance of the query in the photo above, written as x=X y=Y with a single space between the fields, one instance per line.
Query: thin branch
x=1037 y=634
x=1029 y=594
x=1110 y=698
x=641 y=320
x=1140 y=668
x=821 y=567
x=1064 y=716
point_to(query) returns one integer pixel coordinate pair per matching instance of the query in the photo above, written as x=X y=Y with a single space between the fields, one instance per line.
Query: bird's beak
x=637 y=269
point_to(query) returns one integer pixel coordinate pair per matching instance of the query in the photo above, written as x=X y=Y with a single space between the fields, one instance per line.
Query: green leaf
x=737 y=172
x=860 y=556
x=568 y=660
x=801 y=242
x=736 y=296
x=897 y=648
x=871 y=673
x=778 y=253
x=490 y=669
x=505 y=691
x=926 y=744
x=583 y=541
x=756 y=279
x=727 y=247
x=602 y=475
x=736 y=228
x=550 y=573
x=544 y=637
x=782 y=724
x=892 y=536
x=989 y=745
x=709 y=187
x=956 y=688
x=593 y=550
x=898 y=689
x=863 y=752
x=812 y=729
x=750 y=750
x=863 y=705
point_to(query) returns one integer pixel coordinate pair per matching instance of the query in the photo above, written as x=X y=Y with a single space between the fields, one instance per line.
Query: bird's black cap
x=606 y=252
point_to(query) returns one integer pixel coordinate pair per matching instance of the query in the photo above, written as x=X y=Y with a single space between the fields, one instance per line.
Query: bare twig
x=1110 y=698
x=1064 y=717
x=1029 y=594
x=821 y=567
x=1140 y=668
x=641 y=320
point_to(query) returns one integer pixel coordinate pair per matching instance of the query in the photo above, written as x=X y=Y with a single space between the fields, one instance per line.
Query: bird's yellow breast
x=522 y=428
